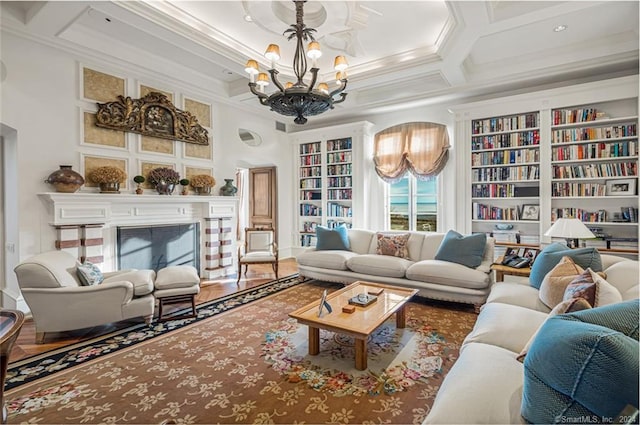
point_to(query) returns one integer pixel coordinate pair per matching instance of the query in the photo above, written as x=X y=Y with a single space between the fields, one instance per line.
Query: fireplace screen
x=157 y=247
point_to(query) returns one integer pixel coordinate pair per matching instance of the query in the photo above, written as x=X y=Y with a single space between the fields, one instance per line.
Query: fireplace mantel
x=86 y=223
x=130 y=209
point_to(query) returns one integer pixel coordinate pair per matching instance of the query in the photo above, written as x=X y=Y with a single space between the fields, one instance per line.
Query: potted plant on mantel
x=202 y=183
x=139 y=180
x=185 y=186
x=164 y=179
x=108 y=178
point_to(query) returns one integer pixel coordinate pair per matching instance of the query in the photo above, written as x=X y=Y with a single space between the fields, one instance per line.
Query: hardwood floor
x=258 y=274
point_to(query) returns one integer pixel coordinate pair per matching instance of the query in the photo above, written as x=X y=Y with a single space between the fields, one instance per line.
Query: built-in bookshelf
x=505 y=176
x=325 y=177
x=328 y=179
x=594 y=177
x=567 y=152
x=310 y=186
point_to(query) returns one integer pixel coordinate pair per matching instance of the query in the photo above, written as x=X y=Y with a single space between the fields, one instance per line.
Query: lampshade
x=313 y=50
x=340 y=63
x=569 y=228
x=323 y=87
x=340 y=75
x=272 y=53
x=263 y=79
x=251 y=67
x=288 y=85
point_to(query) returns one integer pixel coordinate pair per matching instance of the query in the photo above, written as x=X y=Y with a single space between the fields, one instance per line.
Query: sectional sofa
x=486 y=383
x=435 y=279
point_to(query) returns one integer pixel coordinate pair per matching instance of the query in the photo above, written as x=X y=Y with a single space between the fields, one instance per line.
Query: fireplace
x=90 y=226
x=157 y=247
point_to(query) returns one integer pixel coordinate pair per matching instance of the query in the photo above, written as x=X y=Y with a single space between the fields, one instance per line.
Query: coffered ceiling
x=401 y=53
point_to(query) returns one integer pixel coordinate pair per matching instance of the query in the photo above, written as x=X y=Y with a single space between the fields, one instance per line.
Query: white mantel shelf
x=130 y=209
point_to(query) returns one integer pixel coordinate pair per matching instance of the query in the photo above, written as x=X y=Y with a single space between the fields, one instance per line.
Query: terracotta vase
x=65 y=179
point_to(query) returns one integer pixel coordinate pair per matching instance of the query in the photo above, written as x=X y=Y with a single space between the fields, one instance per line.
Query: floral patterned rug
x=244 y=361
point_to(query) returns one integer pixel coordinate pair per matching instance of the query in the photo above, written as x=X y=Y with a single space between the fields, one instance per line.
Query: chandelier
x=298 y=99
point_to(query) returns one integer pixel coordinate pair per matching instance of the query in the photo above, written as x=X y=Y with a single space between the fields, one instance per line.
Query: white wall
x=40 y=100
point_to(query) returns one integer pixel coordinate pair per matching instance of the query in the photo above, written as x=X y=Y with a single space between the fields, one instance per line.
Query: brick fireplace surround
x=86 y=224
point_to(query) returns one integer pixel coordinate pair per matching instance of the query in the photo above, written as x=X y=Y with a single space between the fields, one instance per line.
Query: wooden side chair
x=259 y=247
x=11 y=322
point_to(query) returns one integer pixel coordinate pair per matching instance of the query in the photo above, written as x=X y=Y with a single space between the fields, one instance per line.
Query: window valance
x=422 y=148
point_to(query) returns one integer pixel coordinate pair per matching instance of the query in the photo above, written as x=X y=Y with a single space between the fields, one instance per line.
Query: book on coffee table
x=363 y=300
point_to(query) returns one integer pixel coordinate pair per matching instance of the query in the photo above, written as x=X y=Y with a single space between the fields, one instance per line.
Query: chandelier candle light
x=298 y=99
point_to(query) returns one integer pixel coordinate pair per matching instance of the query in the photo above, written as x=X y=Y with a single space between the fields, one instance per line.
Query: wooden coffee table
x=359 y=324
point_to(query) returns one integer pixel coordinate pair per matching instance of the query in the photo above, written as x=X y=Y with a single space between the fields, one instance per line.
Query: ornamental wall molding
x=152 y=115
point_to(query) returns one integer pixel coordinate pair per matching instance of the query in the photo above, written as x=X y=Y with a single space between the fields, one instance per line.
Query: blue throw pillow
x=89 y=274
x=578 y=367
x=551 y=255
x=465 y=250
x=332 y=239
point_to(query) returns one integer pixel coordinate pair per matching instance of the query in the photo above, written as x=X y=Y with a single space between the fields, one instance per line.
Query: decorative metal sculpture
x=152 y=115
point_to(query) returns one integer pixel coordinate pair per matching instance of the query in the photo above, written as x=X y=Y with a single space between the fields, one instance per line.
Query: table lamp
x=572 y=229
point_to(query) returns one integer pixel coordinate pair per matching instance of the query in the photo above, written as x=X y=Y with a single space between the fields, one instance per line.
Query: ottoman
x=176 y=284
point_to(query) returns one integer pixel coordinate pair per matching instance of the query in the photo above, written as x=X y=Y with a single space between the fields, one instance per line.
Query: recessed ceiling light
x=248 y=18
x=560 y=28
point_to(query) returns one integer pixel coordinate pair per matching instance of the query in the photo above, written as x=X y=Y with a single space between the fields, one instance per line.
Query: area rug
x=249 y=364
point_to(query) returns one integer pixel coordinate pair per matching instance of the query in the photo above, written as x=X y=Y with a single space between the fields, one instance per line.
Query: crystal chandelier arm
x=274 y=78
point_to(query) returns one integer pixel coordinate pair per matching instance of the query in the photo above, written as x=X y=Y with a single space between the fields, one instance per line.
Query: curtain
x=421 y=148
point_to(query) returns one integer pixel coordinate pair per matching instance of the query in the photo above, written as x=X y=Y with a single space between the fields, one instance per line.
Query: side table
x=501 y=270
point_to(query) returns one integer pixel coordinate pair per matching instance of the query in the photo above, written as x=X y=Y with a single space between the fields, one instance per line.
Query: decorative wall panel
x=102 y=136
x=100 y=86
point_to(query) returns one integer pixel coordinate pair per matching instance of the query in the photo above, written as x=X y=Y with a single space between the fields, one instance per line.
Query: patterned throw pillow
x=89 y=274
x=393 y=245
x=593 y=288
x=556 y=281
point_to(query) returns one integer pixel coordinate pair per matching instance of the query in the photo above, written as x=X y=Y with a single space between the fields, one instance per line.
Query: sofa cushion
x=556 y=281
x=447 y=273
x=625 y=276
x=393 y=245
x=518 y=293
x=379 y=265
x=568 y=306
x=506 y=326
x=553 y=253
x=89 y=274
x=483 y=387
x=360 y=240
x=334 y=260
x=142 y=280
x=466 y=250
x=332 y=239
x=593 y=288
x=583 y=365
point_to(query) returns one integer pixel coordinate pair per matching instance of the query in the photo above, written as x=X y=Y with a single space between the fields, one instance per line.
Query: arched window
x=409 y=158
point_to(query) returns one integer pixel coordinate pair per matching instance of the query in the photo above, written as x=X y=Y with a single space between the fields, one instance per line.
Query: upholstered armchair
x=259 y=248
x=60 y=302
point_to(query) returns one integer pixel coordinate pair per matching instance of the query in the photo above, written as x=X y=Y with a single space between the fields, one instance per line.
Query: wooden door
x=263 y=197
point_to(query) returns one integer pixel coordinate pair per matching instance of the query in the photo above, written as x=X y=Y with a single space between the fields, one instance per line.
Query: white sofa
x=486 y=382
x=434 y=279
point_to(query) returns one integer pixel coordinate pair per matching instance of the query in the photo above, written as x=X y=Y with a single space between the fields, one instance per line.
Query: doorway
x=263 y=197
x=9 y=230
